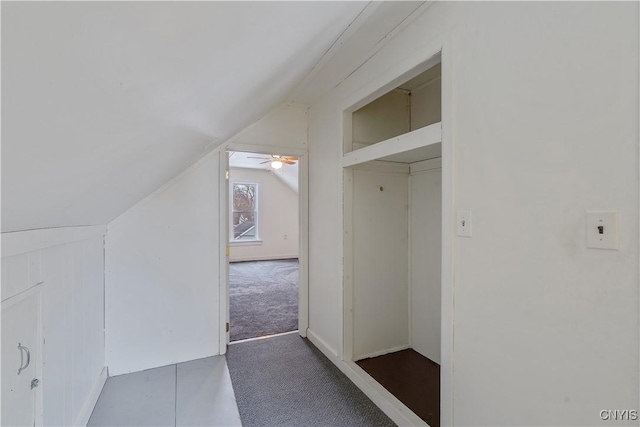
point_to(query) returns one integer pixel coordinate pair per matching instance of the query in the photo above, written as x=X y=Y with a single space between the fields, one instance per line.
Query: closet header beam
x=423 y=137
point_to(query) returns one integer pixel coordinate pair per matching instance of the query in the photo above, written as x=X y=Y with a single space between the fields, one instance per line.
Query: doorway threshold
x=264 y=337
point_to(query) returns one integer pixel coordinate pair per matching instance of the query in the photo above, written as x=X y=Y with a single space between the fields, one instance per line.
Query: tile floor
x=196 y=393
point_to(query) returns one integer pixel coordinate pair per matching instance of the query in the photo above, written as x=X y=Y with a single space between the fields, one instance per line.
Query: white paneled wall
x=73 y=318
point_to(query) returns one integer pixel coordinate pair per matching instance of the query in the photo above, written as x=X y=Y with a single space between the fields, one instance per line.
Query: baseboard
x=263 y=258
x=92 y=399
x=382 y=352
x=388 y=403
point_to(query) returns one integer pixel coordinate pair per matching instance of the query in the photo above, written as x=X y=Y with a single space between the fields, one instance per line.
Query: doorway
x=264 y=244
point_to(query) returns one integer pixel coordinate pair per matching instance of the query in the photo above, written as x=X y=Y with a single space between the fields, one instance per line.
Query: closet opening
x=393 y=213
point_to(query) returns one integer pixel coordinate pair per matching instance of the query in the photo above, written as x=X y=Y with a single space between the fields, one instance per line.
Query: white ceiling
x=287 y=173
x=103 y=102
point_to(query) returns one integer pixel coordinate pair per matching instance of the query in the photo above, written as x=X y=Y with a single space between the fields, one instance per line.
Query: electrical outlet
x=602 y=230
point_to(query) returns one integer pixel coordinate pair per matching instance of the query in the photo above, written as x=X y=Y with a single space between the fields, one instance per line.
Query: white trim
x=383 y=352
x=448 y=239
x=437 y=51
x=264 y=258
x=418 y=138
x=303 y=233
x=388 y=403
x=92 y=399
x=266 y=149
x=426 y=165
x=264 y=337
x=223 y=240
x=303 y=245
x=20 y=242
x=256 y=242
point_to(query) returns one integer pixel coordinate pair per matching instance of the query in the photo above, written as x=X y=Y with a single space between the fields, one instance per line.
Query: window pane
x=244 y=197
x=244 y=216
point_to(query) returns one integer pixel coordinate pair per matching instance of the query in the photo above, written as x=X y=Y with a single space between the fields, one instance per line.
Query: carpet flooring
x=263 y=298
x=412 y=378
x=286 y=381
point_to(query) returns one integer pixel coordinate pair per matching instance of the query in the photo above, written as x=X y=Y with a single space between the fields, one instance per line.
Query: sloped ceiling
x=103 y=102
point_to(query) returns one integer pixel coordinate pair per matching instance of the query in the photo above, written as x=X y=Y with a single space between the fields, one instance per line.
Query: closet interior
x=393 y=213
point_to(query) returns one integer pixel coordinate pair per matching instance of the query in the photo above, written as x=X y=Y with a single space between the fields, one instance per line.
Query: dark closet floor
x=412 y=378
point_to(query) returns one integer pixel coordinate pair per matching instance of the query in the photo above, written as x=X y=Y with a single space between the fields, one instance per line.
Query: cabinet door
x=20 y=348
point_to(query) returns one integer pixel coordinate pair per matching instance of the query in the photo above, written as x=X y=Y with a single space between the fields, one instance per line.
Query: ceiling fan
x=276 y=160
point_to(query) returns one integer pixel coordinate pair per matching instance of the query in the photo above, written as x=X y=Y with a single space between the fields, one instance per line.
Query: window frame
x=256 y=215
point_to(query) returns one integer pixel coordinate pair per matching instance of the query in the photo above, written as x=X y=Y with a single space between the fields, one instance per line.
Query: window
x=244 y=212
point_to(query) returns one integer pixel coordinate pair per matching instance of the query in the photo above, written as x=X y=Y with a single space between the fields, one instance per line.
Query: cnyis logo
x=619 y=414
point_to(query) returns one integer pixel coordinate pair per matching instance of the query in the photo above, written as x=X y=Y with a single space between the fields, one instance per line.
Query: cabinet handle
x=22 y=368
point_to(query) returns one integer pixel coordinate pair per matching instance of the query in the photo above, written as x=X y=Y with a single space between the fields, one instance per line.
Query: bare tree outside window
x=244 y=212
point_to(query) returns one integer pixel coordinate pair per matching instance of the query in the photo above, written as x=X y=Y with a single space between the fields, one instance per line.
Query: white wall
x=380 y=262
x=284 y=127
x=162 y=266
x=425 y=227
x=70 y=262
x=384 y=118
x=426 y=104
x=277 y=218
x=545 y=126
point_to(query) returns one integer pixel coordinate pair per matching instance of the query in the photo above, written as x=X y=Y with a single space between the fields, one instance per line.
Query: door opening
x=263 y=259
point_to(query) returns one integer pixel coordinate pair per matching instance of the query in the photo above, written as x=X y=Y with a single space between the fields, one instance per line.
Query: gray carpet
x=263 y=298
x=286 y=381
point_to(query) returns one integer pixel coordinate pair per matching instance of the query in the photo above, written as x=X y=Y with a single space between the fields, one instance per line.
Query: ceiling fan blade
x=290 y=158
x=268 y=161
x=289 y=162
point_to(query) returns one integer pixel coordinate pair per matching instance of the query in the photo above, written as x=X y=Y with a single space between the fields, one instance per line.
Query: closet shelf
x=419 y=138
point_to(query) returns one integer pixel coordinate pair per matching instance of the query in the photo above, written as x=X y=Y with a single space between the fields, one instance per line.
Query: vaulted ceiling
x=103 y=102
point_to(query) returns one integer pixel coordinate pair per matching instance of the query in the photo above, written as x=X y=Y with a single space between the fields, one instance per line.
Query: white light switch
x=602 y=230
x=463 y=223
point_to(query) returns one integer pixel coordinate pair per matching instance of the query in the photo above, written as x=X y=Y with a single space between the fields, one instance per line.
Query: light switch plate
x=463 y=223
x=602 y=230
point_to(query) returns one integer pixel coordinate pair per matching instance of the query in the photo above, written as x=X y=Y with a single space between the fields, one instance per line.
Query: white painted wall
x=162 y=264
x=70 y=262
x=277 y=218
x=545 y=126
x=284 y=127
x=426 y=105
x=384 y=118
x=425 y=250
x=380 y=262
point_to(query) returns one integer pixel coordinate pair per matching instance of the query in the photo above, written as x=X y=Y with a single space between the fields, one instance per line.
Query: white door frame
x=303 y=232
x=417 y=63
